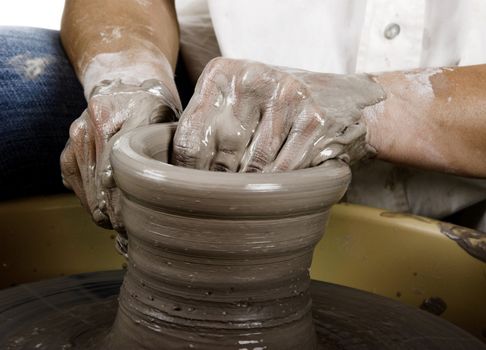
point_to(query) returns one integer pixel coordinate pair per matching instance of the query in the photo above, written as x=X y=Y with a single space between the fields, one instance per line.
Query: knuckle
x=66 y=163
x=185 y=154
x=225 y=66
x=220 y=166
x=218 y=62
x=229 y=151
x=254 y=168
x=309 y=123
x=78 y=128
x=260 y=156
x=258 y=161
x=213 y=66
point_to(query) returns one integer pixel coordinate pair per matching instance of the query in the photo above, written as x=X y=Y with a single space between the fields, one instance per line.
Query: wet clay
x=76 y=312
x=472 y=241
x=247 y=116
x=216 y=260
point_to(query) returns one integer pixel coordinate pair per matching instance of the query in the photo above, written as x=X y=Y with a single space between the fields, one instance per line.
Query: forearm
x=432 y=118
x=120 y=39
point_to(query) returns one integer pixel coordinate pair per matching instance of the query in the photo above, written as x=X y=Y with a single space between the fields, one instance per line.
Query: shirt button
x=391 y=31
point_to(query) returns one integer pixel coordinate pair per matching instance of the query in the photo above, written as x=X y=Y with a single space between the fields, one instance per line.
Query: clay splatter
x=144 y=2
x=472 y=241
x=112 y=33
x=30 y=67
x=434 y=305
x=420 y=81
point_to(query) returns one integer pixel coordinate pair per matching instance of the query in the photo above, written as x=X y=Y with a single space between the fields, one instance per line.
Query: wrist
x=359 y=100
x=165 y=95
x=131 y=67
x=373 y=117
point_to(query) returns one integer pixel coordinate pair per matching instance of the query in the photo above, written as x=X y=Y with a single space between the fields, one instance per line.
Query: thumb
x=108 y=195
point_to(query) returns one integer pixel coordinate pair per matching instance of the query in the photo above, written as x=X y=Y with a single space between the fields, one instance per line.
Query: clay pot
x=216 y=260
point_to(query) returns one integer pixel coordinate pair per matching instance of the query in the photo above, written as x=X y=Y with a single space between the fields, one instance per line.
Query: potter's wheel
x=74 y=312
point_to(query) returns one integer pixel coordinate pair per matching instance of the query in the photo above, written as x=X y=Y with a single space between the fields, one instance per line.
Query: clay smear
x=246 y=116
x=31 y=67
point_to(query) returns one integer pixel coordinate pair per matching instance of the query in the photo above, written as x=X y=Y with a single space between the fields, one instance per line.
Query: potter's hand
x=247 y=116
x=113 y=108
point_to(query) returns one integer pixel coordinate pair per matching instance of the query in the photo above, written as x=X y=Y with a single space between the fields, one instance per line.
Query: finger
x=221 y=118
x=106 y=117
x=233 y=134
x=68 y=165
x=347 y=146
x=113 y=209
x=104 y=123
x=271 y=133
x=225 y=160
x=103 y=120
x=91 y=188
x=330 y=151
x=107 y=192
x=71 y=175
x=194 y=141
x=84 y=149
x=77 y=131
x=299 y=148
x=81 y=147
x=240 y=114
x=283 y=104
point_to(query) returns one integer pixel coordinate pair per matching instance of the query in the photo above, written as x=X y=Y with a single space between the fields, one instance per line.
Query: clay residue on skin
x=250 y=117
x=420 y=81
x=417 y=105
x=111 y=33
x=132 y=68
x=151 y=102
x=29 y=66
x=144 y=3
x=472 y=241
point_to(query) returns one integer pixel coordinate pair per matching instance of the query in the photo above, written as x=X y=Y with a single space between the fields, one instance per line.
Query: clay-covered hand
x=249 y=117
x=113 y=108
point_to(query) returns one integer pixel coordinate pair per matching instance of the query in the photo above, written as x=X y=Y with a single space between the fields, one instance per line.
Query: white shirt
x=348 y=36
x=337 y=36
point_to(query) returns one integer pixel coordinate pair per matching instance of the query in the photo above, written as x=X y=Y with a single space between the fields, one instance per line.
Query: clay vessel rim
x=133 y=153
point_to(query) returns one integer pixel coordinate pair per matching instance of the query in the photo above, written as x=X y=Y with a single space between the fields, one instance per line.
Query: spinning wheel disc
x=75 y=312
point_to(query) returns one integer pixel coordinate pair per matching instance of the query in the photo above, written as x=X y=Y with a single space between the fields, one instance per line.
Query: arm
x=120 y=39
x=124 y=53
x=433 y=119
x=283 y=119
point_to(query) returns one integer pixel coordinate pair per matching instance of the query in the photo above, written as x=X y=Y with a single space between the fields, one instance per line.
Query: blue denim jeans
x=40 y=96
